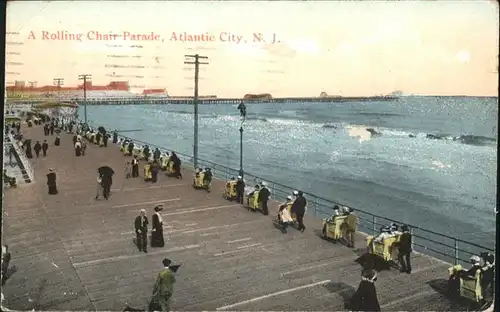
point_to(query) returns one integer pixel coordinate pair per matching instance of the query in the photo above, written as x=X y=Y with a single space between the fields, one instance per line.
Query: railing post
x=456 y=252
x=374 y=222
x=412 y=239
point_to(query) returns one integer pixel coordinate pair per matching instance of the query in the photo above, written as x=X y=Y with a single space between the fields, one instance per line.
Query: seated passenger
x=198 y=172
x=253 y=192
x=454 y=281
x=385 y=232
x=284 y=215
x=284 y=205
x=336 y=212
x=207 y=177
x=476 y=266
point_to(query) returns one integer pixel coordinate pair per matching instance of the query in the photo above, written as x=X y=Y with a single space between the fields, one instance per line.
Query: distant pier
x=187 y=100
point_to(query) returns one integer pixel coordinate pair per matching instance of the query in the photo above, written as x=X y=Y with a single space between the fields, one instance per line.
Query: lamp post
x=241 y=152
x=243 y=112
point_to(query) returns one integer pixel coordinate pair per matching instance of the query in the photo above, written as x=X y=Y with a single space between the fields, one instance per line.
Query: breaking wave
x=468 y=139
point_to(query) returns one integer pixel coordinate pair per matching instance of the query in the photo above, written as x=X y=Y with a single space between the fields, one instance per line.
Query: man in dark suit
x=240 y=190
x=299 y=209
x=141 y=231
x=264 y=198
x=405 y=250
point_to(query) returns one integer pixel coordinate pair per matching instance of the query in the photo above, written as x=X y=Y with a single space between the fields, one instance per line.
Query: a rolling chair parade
x=389 y=246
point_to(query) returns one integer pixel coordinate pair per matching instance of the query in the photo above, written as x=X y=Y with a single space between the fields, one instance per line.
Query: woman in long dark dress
x=51 y=182
x=154 y=172
x=29 y=152
x=157 y=230
x=57 y=141
x=365 y=298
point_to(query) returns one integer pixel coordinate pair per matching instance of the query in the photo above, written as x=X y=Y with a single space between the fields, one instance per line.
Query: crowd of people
x=290 y=212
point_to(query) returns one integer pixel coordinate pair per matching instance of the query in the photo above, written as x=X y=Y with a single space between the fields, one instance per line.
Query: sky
x=348 y=48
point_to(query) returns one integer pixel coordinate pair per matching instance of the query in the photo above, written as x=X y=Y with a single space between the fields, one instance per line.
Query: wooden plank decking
x=75 y=253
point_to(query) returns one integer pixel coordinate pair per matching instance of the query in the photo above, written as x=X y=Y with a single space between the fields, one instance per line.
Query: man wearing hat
x=163 y=288
x=240 y=190
x=264 y=198
x=141 y=231
x=405 y=250
x=299 y=208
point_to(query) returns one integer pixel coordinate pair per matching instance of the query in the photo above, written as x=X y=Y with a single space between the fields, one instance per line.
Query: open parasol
x=106 y=171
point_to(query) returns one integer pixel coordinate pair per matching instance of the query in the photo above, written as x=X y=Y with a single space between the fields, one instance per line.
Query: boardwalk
x=74 y=253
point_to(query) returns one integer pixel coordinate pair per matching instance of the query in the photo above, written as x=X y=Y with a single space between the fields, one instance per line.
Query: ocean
x=432 y=163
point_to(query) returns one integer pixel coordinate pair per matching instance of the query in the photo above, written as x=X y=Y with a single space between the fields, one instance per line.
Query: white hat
x=289 y=197
x=143 y=210
x=239 y=177
x=475 y=259
x=295 y=192
x=264 y=183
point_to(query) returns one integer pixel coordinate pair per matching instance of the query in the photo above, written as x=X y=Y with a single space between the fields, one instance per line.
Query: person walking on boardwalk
x=99 y=188
x=155 y=169
x=37 y=148
x=52 y=128
x=57 y=141
x=141 y=231
x=157 y=239
x=350 y=227
x=78 y=148
x=240 y=190
x=12 y=153
x=299 y=209
x=115 y=137
x=135 y=167
x=365 y=297
x=51 y=182
x=163 y=288
x=130 y=149
x=156 y=155
x=29 y=152
x=45 y=147
x=405 y=250
x=264 y=198
x=177 y=165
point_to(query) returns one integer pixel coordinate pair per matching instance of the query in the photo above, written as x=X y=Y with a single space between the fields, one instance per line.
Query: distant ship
x=115 y=89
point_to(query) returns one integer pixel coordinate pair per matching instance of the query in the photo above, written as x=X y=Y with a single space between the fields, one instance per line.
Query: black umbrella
x=106 y=171
x=101 y=130
x=175 y=267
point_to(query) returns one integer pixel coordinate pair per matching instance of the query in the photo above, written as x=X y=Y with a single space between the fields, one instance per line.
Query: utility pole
x=85 y=77
x=196 y=71
x=58 y=82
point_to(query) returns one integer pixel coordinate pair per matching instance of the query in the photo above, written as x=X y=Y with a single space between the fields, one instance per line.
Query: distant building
x=325 y=95
x=260 y=96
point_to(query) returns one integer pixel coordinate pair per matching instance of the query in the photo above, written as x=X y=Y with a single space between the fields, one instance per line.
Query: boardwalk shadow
x=343 y=290
x=367 y=260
